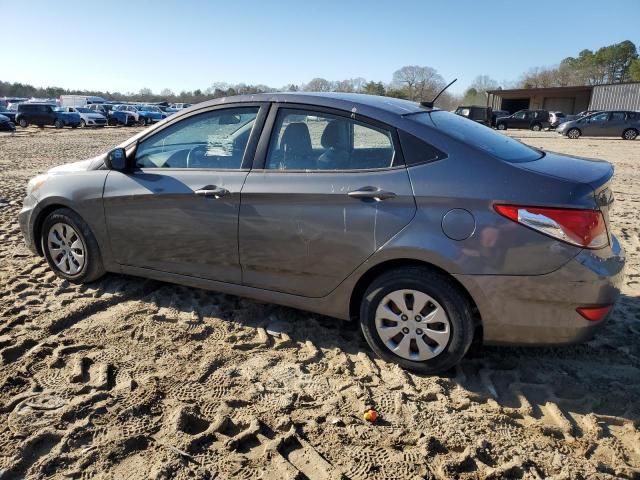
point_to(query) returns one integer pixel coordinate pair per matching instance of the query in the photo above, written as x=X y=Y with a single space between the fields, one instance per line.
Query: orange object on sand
x=371 y=415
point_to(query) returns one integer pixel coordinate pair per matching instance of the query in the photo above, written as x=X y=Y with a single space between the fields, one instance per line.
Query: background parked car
x=144 y=114
x=556 y=118
x=496 y=114
x=180 y=106
x=10 y=114
x=623 y=124
x=88 y=118
x=6 y=125
x=531 y=119
x=42 y=114
x=476 y=113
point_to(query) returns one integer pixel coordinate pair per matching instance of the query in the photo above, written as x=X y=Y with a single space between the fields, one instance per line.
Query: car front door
x=595 y=124
x=177 y=211
x=519 y=120
x=325 y=193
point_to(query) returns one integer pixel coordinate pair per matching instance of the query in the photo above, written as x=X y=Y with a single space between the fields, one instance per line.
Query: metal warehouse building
x=570 y=100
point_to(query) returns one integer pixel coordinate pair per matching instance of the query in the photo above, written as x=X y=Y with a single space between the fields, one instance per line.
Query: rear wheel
x=630 y=134
x=536 y=127
x=58 y=124
x=417 y=318
x=23 y=123
x=502 y=126
x=142 y=122
x=70 y=247
x=83 y=124
x=574 y=133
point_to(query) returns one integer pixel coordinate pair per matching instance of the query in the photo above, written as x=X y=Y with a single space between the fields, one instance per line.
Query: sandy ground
x=130 y=378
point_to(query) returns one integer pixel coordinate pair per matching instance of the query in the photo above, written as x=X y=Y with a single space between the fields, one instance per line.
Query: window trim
x=265 y=138
x=249 y=152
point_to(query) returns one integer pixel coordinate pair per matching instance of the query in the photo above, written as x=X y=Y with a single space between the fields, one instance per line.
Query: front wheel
x=70 y=247
x=83 y=124
x=536 y=127
x=23 y=123
x=58 y=124
x=630 y=134
x=574 y=133
x=502 y=126
x=142 y=122
x=417 y=318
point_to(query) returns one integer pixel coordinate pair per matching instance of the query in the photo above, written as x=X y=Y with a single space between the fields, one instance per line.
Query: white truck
x=79 y=100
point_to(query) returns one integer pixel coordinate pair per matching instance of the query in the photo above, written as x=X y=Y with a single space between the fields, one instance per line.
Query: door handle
x=371 y=193
x=211 y=191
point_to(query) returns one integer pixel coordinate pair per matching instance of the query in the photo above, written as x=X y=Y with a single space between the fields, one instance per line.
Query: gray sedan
x=429 y=229
x=623 y=124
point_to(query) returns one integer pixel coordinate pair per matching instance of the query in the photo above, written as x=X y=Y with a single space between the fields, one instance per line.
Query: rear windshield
x=477 y=135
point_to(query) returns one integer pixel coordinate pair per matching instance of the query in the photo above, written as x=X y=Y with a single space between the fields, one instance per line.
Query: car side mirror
x=117 y=160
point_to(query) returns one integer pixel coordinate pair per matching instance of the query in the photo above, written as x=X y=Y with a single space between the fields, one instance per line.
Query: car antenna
x=430 y=104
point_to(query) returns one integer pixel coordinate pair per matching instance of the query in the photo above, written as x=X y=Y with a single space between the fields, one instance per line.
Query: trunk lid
x=583 y=170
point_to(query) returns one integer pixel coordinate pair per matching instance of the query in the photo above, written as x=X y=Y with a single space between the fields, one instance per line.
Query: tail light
x=583 y=228
x=594 y=314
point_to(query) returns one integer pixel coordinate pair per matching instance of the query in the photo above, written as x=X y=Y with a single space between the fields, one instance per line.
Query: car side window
x=600 y=117
x=617 y=117
x=520 y=115
x=305 y=140
x=211 y=140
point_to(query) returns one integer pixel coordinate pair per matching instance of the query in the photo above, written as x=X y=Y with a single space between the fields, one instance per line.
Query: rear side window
x=479 y=136
x=417 y=151
x=311 y=141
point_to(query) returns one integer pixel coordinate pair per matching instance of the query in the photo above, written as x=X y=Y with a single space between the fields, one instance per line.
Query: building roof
x=532 y=91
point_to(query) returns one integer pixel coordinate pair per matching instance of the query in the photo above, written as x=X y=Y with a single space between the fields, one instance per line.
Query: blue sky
x=183 y=45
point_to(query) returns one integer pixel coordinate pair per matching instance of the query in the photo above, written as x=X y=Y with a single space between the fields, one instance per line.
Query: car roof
x=367 y=105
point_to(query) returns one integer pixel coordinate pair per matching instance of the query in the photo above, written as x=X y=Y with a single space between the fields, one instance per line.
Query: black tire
x=442 y=289
x=574 y=133
x=23 y=123
x=142 y=122
x=92 y=269
x=58 y=124
x=536 y=127
x=501 y=126
x=83 y=124
x=630 y=134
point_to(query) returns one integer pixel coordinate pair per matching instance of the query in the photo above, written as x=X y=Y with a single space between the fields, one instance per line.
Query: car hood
x=74 y=167
x=4 y=118
x=69 y=114
x=95 y=116
x=583 y=170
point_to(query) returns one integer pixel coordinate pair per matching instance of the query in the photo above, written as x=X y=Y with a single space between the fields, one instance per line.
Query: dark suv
x=479 y=114
x=534 y=120
x=42 y=114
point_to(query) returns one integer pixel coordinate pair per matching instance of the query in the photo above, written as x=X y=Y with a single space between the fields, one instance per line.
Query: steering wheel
x=196 y=155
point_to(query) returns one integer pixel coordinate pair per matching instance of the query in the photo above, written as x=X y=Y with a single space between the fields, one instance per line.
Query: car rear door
x=325 y=193
x=177 y=211
x=615 y=124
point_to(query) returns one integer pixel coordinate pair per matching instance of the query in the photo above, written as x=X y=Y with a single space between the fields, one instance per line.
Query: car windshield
x=477 y=135
x=59 y=109
x=83 y=110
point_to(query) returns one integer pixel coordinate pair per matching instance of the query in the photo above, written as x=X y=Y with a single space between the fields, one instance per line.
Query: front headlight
x=36 y=182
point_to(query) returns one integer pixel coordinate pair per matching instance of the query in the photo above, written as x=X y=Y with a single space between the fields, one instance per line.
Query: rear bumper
x=541 y=309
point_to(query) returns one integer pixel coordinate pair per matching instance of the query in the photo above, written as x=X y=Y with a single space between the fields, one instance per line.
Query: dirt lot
x=129 y=378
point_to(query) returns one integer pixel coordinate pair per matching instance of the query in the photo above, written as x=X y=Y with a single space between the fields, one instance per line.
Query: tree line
x=610 y=64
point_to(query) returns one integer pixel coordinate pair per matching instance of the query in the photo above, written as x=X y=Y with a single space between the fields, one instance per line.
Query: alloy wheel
x=412 y=324
x=66 y=248
x=573 y=133
x=630 y=134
